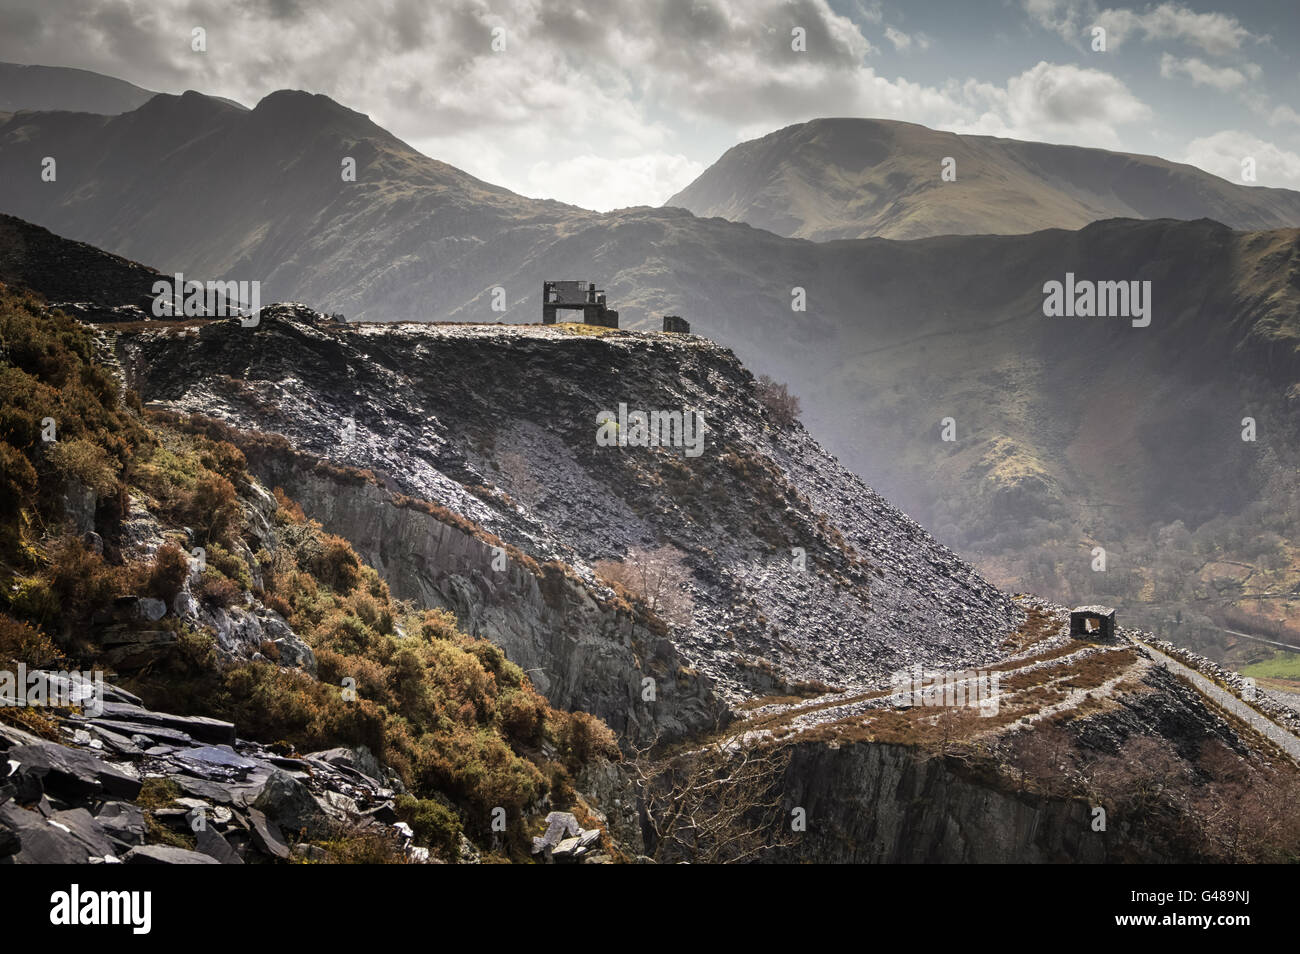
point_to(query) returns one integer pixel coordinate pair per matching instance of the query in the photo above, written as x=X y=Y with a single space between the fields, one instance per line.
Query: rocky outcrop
x=878 y=803
x=579 y=651
x=566 y=841
x=798 y=571
x=74 y=800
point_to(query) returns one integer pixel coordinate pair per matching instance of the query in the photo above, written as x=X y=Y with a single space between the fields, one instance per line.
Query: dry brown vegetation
x=657 y=577
x=714 y=804
x=782 y=406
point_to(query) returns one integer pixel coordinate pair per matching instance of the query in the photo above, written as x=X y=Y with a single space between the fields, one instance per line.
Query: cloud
x=1202 y=74
x=1058 y=102
x=904 y=41
x=1282 y=115
x=581 y=96
x=1217 y=34
x=600 y=183
x=1223 y=152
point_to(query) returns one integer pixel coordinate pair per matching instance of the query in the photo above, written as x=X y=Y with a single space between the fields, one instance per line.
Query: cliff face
x=797 y=572
x=880 y=804
x=580 y=651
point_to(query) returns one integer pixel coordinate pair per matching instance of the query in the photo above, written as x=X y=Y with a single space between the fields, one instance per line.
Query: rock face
x=874 y=803
x=565 y=840
x=73 y=801
x=577 y=650
x=797 y=571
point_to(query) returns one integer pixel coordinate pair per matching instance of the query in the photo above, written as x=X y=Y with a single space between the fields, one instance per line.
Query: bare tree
x=1042 y=756
x=658 y=577
x=780 y=403
x=720 y=803
x=1247 y=811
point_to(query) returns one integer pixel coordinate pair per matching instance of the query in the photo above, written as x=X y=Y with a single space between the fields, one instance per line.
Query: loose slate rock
x=214 y=845
x=213 y=731
x=123 y=823
x=266 y=834
x=288 y=803
x=72 y=772
x=167 y=855
x=41 y=843
x=559 y=825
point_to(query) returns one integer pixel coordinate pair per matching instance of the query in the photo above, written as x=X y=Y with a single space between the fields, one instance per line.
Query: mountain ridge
x=830 y=179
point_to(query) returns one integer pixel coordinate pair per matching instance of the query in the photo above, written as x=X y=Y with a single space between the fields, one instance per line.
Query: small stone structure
x=1088 y=621
x=678 y=324
x=577 y=296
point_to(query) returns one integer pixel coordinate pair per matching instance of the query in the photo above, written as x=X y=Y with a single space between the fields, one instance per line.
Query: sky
x=624 y=102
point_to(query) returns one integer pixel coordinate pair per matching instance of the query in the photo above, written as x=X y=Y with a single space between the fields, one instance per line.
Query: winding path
x=1282 y=738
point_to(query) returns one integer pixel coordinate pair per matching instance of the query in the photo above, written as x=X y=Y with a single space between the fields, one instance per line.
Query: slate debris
x=565 y=841
x=74 y=803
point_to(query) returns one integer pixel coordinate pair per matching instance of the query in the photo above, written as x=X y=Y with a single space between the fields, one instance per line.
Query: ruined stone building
x=577 y=296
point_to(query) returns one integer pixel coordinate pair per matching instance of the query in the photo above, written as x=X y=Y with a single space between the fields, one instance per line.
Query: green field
x=1283 y=665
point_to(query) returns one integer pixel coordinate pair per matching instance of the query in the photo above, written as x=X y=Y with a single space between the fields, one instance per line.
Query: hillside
x=261 y=678
x=74 y=274
x=71 y=90
x=456 y=539
x=857 y=178
x=896 y=337
x=272 y=200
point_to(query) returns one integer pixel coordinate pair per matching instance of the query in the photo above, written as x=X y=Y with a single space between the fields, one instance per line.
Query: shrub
x=21 y=643
x=365 y=847
x=288 y=512
x=436 y=826
x=226 y=459
x=335 y=564
x=229 y=565
x=168 y=572
x=82 y=580
x=215 y=589
x=438 y=624
x=214 y=507
x=783 y=406
x=523 y=716
x=86 y=463
x=17 y=480
x=584 y=737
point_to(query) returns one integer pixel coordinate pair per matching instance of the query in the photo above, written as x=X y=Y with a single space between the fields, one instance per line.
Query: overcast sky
x=624 y=102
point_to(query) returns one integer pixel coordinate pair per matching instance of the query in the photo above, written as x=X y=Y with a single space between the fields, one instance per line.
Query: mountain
x=857 y=178
x=427 y=517
x=74 y=273
x=268 y=188
x=71 y=90
x=1070 y=433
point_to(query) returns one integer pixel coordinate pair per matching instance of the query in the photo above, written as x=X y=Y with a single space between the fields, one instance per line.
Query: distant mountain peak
x=839 y=178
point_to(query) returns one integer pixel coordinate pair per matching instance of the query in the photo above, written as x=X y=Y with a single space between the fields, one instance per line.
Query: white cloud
x=904 y=41
x=1217 y=34
x=1282 y=115
x=1223 y=152
x=600 y=183
x=1203 y=74
x=1056 y=102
